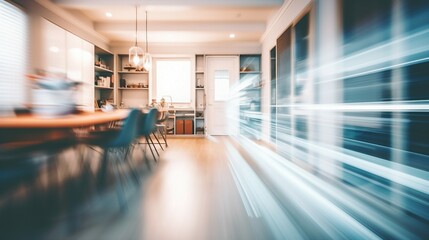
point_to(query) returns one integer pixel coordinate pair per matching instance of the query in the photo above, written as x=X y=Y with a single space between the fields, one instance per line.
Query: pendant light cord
x=146 y=33
x=136 y=26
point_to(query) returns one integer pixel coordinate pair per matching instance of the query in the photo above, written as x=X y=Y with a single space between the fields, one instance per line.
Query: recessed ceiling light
x=232 y=35
x=109 y=14
x=54 y=49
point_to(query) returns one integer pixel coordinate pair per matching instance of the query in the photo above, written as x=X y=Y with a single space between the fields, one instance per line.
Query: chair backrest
x=148 y=122
x=129 y=130
x=164 y=117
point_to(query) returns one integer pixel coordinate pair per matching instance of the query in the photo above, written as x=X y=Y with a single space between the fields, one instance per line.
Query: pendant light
x=147 y=58
x=135 y=53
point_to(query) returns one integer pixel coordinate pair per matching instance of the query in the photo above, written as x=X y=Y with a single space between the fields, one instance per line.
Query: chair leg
x=102 y=171
x=153 y=144
x=163 y=135
x=159 y=143
x=150 y=148
x=133 y=168
x=145 y=157
x=119 y=187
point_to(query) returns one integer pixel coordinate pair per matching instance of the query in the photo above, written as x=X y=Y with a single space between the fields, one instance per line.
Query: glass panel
x=273 y=93
x=366 y=27
x=221 y=83
x=284 y=71
x=301 y=57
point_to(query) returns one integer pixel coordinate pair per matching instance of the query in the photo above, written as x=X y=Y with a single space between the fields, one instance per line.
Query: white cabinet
x=74 y=57
x=67 y=55
x=87 y=87
x=54 y=48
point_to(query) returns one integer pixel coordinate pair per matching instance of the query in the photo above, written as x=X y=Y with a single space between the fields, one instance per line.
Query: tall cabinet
x=250 y=100
x=133 y=85
x=200 y=95
x=103 y=78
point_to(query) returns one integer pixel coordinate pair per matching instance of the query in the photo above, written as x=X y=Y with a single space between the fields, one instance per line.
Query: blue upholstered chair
x=147 y=126
x=117 y=146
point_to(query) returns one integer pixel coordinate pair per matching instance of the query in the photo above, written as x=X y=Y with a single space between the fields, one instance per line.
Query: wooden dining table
x=83 y=119
x=32 y=127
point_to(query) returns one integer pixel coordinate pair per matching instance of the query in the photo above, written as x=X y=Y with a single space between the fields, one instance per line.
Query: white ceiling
x=176 y=21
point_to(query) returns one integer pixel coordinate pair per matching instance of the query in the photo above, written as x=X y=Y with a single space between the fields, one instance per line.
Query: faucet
x=171 y=100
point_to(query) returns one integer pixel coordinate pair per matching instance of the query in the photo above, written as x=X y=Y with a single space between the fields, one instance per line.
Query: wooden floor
x=189 y=194
x=192 y=195
x=201 y=188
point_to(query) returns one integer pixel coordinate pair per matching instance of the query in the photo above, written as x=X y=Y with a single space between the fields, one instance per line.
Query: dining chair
x=147 y=125
x=161 y=126
x=118 y=143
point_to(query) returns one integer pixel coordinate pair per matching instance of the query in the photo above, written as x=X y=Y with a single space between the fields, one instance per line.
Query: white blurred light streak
x=300 y=182
x=255 y=195
x=414 y=50
x=361 y=107
x=331 y=218
x=407 y=176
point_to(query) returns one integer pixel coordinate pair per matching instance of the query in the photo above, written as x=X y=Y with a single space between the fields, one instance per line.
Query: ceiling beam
x=169 y=3
x=182 y=26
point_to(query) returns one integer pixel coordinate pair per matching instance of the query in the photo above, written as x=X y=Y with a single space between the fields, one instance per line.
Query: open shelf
x=100 y=69
x=106 y=88
x=132 y=72
x=133 y=88
x=200 y=95
x=250 y=72
x=103 y=76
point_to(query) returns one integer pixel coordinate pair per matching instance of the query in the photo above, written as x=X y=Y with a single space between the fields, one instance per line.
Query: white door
x=222 y=76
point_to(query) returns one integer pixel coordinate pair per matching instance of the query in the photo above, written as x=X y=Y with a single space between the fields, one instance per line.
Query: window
x=173 y=78
x=13 y=54
x=221 y=83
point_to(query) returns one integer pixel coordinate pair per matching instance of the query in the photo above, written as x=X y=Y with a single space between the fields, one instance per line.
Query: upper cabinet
x=87 y=88
x=54 y=49
x=65 y=55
